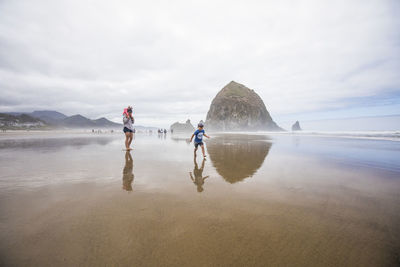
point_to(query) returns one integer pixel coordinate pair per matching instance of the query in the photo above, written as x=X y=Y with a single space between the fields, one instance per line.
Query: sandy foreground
x=79 y=200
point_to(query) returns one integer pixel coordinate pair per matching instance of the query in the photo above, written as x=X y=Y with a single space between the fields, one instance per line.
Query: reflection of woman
x=198 y=178
x=127 y=173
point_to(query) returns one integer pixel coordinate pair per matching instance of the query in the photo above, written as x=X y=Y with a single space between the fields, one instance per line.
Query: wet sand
x=258 y=200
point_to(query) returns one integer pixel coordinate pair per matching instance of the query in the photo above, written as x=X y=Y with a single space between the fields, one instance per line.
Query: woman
x=128 y=127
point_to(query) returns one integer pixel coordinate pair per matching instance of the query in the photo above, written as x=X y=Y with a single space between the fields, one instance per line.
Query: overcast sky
x=306 y=59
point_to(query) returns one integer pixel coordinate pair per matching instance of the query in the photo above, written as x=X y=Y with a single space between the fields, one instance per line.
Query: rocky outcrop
x=182 y=127
x=296 y=126
x=237 y=108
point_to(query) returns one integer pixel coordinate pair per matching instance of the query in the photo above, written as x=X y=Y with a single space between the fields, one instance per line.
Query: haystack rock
x=178 y=127
x=296 y=126
x=237 y=108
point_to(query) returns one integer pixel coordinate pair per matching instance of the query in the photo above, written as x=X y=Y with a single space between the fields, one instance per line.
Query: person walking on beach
x=198 y=141
x=128 y=127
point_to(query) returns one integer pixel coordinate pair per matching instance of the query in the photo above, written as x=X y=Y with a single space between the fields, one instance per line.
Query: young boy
x=198 y=141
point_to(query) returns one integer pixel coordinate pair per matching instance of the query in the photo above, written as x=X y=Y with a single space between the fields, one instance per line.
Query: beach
x=78 y=199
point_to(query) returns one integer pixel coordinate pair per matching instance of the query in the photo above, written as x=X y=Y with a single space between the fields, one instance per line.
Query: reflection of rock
x=237 y=157
x=182 y=127
x=181 y=138
x=237 y=108
x=296 y=126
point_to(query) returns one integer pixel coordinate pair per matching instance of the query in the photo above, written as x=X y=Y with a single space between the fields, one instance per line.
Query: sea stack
x=238 y=108
x=296 y=126
x=182 y=127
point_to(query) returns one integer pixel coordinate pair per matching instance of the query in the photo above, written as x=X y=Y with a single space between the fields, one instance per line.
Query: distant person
x=198 y=178
x=127 y=173
x=198 y=141
x=128 y=127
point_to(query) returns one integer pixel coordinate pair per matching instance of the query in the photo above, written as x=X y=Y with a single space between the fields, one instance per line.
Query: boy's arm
x=191 y=138
x=206 y=135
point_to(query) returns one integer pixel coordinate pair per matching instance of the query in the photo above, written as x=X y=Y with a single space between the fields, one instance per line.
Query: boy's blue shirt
x=199 y=135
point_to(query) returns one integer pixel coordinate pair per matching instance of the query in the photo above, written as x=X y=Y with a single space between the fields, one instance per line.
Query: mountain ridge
x=52 y=118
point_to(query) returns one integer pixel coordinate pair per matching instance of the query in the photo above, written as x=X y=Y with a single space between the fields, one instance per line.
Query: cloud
x=169 y=59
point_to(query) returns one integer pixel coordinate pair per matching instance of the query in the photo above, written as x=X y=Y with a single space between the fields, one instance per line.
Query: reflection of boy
x=198 y=141
x=198 y=176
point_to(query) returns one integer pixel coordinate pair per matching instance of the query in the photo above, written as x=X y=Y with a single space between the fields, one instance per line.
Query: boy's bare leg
x=195 y=150
x=202 y=150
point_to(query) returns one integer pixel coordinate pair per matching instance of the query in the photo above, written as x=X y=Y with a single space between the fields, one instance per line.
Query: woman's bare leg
x=130 y=139
x=127 y=140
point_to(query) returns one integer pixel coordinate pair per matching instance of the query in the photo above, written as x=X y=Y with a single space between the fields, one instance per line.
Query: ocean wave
x=375 y=135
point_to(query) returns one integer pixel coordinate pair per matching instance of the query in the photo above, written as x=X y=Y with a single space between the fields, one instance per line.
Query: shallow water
x=78 y=199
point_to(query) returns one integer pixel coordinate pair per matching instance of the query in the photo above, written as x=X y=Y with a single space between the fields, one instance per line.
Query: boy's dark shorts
x=198 y=144
x=127 y=130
